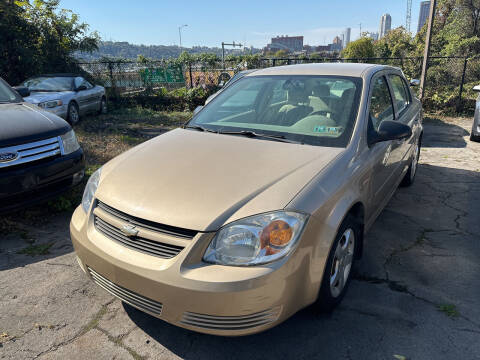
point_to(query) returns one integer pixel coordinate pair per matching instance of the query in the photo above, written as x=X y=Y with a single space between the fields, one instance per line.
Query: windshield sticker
x=334 y=130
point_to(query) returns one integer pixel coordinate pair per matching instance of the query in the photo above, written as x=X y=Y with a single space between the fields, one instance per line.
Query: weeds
x=36 y=250
x=449 y=309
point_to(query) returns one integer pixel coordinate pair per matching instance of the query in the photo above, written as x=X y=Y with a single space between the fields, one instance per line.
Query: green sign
x=170 y=74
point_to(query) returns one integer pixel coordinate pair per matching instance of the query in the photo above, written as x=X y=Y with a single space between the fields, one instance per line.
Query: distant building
x=373 y=36
x=289 y=43
x=336 y=45
x=346 y=36
x=385 y=25
x=423 y=15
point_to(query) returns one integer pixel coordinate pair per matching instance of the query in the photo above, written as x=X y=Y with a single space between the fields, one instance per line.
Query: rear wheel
x=73 y=115
x=103 y=106
x=339 y=265
x=475 y=138
x=412 y=169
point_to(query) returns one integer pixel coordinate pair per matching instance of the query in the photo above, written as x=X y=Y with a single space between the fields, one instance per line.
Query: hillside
x=126 y=50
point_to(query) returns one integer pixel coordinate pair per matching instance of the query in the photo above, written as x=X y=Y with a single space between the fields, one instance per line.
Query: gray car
x=475 y=134
x=69 y=96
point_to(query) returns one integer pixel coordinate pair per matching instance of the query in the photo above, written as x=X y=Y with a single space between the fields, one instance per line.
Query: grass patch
x=448 y=309
x=36 y=250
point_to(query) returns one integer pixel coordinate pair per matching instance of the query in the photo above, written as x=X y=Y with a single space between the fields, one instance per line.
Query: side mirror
x=22 y=90
x=391 y=130
x=197 y=110
x=476 y=88
x=81 y=88
x=414 y=82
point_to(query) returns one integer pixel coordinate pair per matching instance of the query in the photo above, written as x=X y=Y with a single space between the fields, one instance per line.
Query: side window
x=399 y=92
x=381 y=106
x=88 y=85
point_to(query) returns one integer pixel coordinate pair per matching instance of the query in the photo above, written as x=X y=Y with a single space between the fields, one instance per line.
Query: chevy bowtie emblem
x=9 y=156
x=129 y=230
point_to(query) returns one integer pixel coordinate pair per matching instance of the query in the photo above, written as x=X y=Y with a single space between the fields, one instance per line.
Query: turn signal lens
x=277 y=233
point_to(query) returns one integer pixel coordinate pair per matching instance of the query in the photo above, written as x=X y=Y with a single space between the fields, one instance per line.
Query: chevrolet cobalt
x=258 y=206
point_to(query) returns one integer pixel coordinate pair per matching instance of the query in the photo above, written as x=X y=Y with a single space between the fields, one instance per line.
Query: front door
x=382 y=154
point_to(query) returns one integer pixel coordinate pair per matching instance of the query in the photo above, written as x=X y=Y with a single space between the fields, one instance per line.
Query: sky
x=252 y=23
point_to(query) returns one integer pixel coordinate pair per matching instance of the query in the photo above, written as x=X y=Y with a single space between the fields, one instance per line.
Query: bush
x=161 y=99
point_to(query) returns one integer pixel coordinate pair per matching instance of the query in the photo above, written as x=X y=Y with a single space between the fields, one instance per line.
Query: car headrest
x=321 y=90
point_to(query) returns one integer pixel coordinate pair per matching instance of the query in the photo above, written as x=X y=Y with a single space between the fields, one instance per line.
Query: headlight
x=90 y=190
x=50 y=104
x=69 y=143
x=257 y=239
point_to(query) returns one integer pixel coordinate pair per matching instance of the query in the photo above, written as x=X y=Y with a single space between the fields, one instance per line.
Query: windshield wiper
x=199 y=128
x=252 y=134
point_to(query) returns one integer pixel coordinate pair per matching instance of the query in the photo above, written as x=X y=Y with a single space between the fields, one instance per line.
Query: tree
x=358 y=49
x=281 y=53
x=397 y=43
x=37 y=37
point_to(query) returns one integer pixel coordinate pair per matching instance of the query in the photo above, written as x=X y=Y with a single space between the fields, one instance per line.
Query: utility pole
x=180 y=34
x=426 y=54
x=223 y=51
x=360 y=29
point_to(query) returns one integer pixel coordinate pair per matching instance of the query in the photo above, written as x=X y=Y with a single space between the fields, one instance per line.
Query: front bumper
x=184 y=291
x=30 y=183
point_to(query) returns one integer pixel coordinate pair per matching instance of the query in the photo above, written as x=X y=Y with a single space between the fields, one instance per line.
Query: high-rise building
x=385 y=25
x=423 y=15
x=346 y=36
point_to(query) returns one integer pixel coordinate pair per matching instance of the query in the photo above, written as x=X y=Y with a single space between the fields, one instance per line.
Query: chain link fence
x=448 y=86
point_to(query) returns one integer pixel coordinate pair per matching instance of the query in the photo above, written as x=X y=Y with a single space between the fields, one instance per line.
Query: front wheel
x=73 y=115
x=474 y=137
x=339 y=265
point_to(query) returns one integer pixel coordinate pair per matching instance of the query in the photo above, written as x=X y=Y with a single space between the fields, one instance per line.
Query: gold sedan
x=258 y=206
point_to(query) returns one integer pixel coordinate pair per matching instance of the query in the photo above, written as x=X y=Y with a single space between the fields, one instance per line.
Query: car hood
x=200 y=181
x=38 y=97
x=21 y=123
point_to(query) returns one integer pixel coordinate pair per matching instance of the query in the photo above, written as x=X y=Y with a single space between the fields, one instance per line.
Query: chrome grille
x=151 y=247
x=149 y=225
x=231 y=322
x=128 y=296
x=33 y=151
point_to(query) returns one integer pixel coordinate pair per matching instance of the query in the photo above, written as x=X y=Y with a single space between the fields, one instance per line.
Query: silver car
x=66 y=95
x=475 y=134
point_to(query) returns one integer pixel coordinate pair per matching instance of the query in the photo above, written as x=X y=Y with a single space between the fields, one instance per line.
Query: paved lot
x=416 y=293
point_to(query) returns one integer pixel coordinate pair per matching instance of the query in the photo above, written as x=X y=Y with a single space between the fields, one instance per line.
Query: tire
x=475 y=138
x=339 y=266
x=73 y=114
x=409 y=177
x=103 y=106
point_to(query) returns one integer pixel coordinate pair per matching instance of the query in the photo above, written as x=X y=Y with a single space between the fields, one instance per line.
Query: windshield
x=316 y=110
x=7 y=95
x=49 y=84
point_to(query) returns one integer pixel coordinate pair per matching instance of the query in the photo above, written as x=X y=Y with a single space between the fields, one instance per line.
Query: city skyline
x=155 y=23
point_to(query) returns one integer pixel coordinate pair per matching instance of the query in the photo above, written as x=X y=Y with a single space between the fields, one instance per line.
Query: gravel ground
x=415 y=295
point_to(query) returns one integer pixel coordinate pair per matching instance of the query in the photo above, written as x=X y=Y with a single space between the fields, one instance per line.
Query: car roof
x=57 y=75
x=342 y=69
